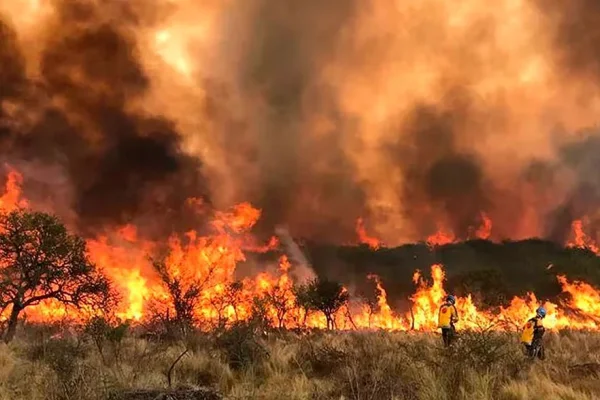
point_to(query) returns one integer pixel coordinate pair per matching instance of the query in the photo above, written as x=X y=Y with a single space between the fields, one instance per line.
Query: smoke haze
x=413 y=117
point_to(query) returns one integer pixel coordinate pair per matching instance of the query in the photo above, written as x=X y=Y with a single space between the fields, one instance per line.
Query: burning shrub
x=184 y=296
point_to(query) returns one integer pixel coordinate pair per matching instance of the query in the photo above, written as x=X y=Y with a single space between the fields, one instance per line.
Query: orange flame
x=581 y=239
x=485 y=230
x=363 y=237
x=211 y=261
x=11 y=199
x=440 y=238
x=445 y=236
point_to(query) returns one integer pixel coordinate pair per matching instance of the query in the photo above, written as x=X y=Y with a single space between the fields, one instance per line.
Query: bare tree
x=282 y=301
x=222 y=301
x=41 y=260
x=184 y=293
x=372 y=306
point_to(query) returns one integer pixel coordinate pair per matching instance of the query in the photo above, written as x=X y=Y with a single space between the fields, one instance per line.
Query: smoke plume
x=413 y=117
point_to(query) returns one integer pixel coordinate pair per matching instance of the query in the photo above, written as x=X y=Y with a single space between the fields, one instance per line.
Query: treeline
x=41 y=260
x=492 y=272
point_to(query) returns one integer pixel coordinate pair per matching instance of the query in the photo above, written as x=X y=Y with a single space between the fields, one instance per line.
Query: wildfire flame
x=363 y=237
x=440 y=238
x=212 y=259
x=445 y=236
x=11 y=199
x=581 y=239
x=485 y=230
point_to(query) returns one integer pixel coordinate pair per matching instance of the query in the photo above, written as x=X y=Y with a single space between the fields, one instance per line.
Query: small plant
x=241 y=346
x=319 y=359
x=65 y=357
x=102 y=333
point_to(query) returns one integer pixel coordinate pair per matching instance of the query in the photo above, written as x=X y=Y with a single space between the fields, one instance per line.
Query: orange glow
x=211 y=261
x=11 y=199
x=581 y=239
x=485 y=230
x=445 y=236
x=363 y=237
x=440 y=238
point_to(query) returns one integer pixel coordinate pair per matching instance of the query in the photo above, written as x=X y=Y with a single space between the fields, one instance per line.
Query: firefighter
x=448 y=316
x=532 y=335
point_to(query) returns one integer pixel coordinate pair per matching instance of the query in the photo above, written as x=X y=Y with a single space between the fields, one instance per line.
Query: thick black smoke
x=12 y=72
x=443 y=183
x=295 y=156
x=303 y=179
x=121 y=164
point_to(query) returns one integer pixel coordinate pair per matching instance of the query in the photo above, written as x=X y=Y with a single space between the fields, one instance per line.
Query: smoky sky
x=116 y=160
x=303 y=180
x=442 y=182
x=296 y=151
x=583 y=158
x=576 y=34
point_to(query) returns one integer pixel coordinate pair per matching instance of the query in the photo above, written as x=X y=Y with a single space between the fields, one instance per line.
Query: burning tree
x=184 y=293
x=39 y=261
x=282 y=301
x=325 y=296
x=184 y=297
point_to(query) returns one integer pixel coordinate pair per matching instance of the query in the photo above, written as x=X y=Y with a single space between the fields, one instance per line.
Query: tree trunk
x=12 y=322
x=329 y=321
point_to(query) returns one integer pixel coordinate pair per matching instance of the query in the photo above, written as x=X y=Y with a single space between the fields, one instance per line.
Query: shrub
x=241 y=346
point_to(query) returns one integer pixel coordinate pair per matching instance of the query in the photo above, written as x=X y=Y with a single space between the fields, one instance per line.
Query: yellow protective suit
x=447 y=316
x=529 y=330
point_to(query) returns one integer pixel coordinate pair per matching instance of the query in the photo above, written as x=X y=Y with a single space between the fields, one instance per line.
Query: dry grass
x=360 y=366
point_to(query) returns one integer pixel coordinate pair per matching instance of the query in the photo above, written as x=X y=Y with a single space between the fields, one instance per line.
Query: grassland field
x=242 y=364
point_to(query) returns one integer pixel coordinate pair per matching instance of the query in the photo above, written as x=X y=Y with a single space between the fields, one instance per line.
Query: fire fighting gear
x=541 y=312
x=533 y=330
x=447 y=315
x=451 y=299
x=448 y=335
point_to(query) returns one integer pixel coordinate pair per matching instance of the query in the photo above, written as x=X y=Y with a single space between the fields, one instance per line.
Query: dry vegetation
x=241 y=364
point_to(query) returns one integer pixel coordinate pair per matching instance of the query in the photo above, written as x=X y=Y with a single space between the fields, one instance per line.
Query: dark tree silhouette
x=325 y=296
x=222 y=301
x=184 y=294
x=282 y=300
x=41 y=260
x=493 y=272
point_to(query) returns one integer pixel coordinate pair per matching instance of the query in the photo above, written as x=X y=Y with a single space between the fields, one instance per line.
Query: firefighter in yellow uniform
x=448 y=316
x=531 y=337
